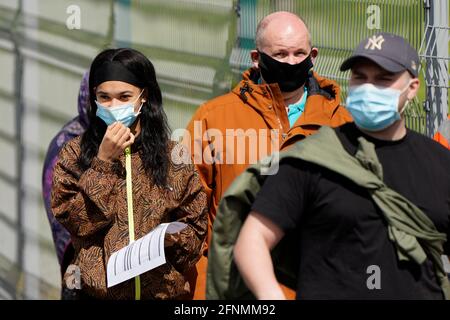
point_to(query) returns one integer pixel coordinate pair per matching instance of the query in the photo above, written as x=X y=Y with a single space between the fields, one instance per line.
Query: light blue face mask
x=374 y=108
x=123 y=113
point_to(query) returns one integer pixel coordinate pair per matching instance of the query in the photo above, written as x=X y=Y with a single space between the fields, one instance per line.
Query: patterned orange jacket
x=92 y=206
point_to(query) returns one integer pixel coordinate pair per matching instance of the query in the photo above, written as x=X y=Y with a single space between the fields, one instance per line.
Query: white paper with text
x=141 y=255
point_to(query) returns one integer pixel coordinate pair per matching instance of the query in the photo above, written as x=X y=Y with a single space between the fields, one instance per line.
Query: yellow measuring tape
x=137 y=280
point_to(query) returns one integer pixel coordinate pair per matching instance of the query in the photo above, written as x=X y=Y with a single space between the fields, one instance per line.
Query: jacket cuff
x=102 y=166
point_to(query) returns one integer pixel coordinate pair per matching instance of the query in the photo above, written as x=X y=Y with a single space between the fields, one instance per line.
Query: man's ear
x=413 y=88
x=314 y=53
x=254 y=55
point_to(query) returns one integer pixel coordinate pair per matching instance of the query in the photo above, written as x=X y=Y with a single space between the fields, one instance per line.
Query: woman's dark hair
x=154 y=136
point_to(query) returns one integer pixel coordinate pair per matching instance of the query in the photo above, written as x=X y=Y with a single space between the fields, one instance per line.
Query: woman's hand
x=117 y=137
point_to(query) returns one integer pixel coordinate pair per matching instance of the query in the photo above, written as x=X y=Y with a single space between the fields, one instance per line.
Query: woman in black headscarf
x=90 y=190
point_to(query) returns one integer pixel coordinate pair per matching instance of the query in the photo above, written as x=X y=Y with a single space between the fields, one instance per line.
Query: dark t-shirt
x=343 y=237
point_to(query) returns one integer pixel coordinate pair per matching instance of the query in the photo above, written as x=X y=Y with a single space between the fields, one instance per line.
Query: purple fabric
x=70 y=130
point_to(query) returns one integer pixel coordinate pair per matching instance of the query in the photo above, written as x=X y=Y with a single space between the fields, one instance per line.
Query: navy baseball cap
x=391 y=52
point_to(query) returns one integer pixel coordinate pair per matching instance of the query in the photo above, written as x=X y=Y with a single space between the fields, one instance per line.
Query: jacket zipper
x=283 y=134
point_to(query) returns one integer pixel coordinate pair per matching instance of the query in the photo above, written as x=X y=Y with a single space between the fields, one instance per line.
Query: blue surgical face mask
x=123 y=113
x=374 y=108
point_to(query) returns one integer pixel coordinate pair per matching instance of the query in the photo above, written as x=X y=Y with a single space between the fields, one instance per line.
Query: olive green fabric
x=413 y=233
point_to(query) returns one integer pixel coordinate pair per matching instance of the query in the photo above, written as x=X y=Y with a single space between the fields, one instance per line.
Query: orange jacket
x=443 y=134
x=255 y=109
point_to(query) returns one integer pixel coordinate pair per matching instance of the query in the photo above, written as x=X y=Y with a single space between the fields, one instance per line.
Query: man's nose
x=292 y=59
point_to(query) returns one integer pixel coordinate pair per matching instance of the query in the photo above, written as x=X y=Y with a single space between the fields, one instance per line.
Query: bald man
x=280 y=100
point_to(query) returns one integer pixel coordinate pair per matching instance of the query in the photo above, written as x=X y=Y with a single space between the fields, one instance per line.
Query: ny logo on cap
x=374 y=42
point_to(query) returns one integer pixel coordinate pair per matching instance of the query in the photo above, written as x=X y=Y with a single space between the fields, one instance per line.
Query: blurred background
x=198 y=47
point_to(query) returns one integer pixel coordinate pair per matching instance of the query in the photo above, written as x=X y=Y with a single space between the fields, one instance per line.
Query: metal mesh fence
x=434 y=51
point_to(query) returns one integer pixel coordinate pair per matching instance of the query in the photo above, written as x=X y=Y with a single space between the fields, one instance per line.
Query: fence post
x=19 y=144
x=436 y=57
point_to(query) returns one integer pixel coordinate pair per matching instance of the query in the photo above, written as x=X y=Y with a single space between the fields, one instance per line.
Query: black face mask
x=288 y=76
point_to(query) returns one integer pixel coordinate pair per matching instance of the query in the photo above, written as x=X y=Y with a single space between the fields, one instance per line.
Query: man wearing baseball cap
x=384 y=76
x=370 y=200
